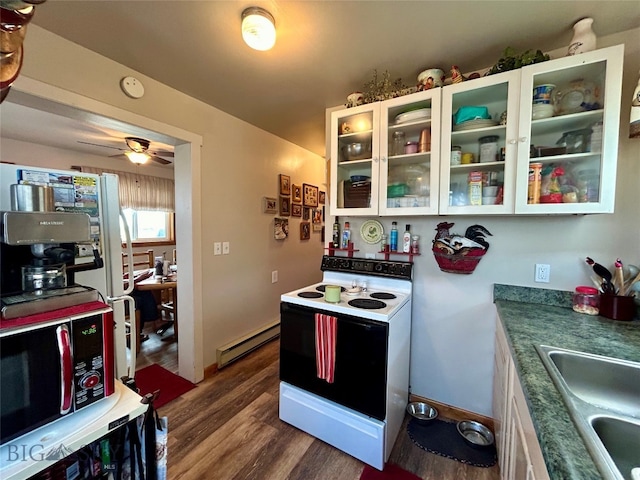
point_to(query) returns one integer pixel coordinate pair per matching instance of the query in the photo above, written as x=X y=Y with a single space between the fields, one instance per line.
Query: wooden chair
x=141 y=260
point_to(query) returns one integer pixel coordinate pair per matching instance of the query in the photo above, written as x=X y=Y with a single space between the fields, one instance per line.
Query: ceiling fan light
x=139 y=158
x=258 y=28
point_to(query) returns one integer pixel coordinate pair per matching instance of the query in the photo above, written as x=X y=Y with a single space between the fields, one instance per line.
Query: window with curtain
x=148 y=203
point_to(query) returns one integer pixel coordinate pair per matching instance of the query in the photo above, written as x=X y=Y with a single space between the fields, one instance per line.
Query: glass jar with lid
x=586 y=300
x=399 y=141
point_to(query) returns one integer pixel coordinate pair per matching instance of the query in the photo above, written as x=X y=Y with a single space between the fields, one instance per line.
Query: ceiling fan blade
x=160 y=153
x=103 y=146
x=160 y=160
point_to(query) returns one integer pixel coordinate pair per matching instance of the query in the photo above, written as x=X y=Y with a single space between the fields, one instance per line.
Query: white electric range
x=361 y=411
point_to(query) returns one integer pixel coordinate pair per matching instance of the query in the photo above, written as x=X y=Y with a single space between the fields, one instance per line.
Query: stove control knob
x=378 y=267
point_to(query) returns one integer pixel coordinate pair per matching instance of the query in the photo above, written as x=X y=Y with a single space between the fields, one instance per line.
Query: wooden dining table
x=164 y=283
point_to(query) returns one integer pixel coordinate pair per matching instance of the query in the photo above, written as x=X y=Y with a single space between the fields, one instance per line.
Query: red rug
x=390 y=472
x=154 y=377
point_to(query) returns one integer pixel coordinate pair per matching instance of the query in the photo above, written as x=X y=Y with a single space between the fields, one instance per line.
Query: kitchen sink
x=602 y=395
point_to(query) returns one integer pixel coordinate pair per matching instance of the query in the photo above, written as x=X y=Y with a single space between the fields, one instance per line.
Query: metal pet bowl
x=422 y=412
x=475 y=434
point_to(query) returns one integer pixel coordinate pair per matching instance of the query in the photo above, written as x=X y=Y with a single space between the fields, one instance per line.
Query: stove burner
x=310 y=294
x=321 y=288
x=383 y=295
x=367 y=303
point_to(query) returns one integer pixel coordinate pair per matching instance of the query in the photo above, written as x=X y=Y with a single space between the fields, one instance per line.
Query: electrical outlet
x=217 y=248
x=274 y=276
x=543 y=273
x=225 y=248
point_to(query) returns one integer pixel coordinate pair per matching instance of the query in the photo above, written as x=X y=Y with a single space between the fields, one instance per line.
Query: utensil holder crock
x=617 y=307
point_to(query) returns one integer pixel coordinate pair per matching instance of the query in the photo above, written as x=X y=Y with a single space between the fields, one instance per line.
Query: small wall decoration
x=316 y=215
x=269 y=205
x=317 y=227
x=296 y=193
x=296 y=210
x=305 y=230
x=285 y=185
x=285 y=207
x=455 y=253
x=309 y=195
x=322 y=197
x=281 y=228
x=306 y=213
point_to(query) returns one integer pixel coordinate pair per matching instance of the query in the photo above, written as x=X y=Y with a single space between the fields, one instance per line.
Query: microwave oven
x=54 y=364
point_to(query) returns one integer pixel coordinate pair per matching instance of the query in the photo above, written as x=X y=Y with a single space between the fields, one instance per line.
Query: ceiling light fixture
x=139 y=158
x=258 y=28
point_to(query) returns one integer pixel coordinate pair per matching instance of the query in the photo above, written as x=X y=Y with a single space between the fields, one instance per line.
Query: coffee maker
x=38 y=261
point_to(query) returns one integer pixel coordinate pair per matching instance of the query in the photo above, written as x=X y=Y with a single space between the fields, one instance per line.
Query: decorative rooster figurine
x=454 y=244
x=456 y=76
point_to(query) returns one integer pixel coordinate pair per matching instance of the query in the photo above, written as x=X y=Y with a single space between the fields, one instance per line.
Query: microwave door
x=34 y=388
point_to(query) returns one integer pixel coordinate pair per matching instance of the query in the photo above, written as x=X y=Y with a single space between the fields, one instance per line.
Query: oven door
x=360 y=363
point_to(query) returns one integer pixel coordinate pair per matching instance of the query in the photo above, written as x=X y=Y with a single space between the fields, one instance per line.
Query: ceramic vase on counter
x=584 y=39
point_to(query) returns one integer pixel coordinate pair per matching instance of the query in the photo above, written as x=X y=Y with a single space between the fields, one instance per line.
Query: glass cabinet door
x=569 y=140
x=410 y=154
x=355 y=160
x=479 y=145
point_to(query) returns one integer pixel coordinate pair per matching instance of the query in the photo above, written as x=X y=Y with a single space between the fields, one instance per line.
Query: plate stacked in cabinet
x=559 y=158
x=385 y=157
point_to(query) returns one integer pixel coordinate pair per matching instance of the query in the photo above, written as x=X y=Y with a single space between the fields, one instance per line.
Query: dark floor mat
x=442 y=438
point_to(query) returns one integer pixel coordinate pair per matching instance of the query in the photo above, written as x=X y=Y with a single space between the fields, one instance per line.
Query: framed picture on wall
x=285 y=207
x=306 y=213
x=285 y=185
x=281 y=228
x=322 y=197
x=305 y=230
x=269 y=205
x=309 y=195
x=296 y=210
x=296 y=193
x=316 y=215
x=317 y=227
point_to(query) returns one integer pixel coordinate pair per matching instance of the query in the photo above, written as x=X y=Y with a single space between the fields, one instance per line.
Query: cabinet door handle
x=375 y=159
x=383 y=159
x=523 y=139
x=512 y=141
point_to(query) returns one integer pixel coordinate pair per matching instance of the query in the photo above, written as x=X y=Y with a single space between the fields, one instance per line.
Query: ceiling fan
x=138 y=151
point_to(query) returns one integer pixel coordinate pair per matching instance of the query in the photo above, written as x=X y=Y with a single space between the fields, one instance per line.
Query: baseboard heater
x=238 y=348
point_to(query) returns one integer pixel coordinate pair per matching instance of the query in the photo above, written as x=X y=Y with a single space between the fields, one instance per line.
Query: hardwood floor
x=228 y=428
x=162 y=350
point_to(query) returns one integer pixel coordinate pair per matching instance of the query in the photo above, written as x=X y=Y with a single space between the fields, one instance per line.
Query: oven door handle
x=66 y=368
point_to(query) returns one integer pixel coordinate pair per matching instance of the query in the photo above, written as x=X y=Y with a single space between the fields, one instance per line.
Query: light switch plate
x=225 y=248
x=217 y=248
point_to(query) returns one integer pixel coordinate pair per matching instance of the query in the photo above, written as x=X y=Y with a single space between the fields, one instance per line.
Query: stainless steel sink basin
x=602 y=395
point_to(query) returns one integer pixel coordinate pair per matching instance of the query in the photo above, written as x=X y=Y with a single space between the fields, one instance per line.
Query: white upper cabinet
x=553 y=154
x=577 y=147
x=385 y=157
x=485 y=185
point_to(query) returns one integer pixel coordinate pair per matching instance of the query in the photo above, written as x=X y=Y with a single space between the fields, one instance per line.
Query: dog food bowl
x=475 y=434
x=422 y=412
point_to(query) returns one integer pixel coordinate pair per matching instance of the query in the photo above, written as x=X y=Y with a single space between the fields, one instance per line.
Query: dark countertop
x=533 y=316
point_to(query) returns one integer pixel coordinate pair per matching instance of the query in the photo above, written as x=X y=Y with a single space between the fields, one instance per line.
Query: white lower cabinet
x=519 y=453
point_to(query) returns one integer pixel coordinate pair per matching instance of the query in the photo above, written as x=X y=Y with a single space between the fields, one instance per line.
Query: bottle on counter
x=393 y=237
x=336 y=234
x=406 y=239
x=346 y=236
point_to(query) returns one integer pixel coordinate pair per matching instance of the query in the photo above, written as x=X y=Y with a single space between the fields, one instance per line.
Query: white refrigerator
x=96 y=195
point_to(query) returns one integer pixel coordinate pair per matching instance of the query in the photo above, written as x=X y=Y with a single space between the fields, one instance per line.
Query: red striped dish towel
x=326 y=329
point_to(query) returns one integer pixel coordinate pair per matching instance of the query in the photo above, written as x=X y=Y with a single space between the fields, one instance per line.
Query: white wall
x=453 y=315
x=239 y=164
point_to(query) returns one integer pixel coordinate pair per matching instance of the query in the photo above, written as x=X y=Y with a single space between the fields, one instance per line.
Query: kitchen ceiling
x=324 y=50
